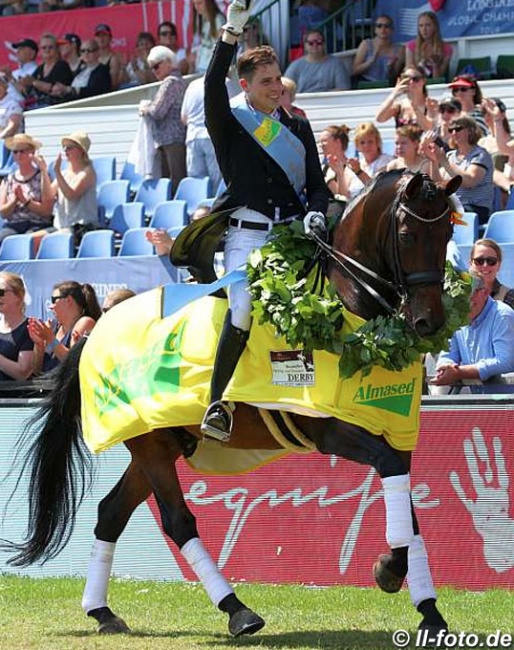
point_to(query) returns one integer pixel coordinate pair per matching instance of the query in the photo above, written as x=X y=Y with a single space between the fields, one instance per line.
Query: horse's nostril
x=424 y=328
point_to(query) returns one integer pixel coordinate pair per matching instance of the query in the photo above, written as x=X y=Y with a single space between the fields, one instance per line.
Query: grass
x=45 y=614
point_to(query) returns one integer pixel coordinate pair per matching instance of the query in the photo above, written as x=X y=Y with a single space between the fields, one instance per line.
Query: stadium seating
x=111 y=194
x=126 y=216
x=193 y=191
x=468 y=233
x=105 y=168
x=505 y=66
x=169 y=214
x=16 y=248
x=56 y=246
x=175 y=231
x=129 y=173
x=481 y=67
x=134 y=242
x=506 y=272
x=500 y=227
x=97 y=243
x=152 y=192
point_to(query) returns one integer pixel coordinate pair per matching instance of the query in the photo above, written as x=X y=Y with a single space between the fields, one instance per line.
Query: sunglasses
x=54 y=299
x=455 y=129
x=4 y=291
x=314 y=42
x=460 y=90
x=15 y=151
x=48 y=47
x=168 y=33
x=415 y=78
x=85 y=50
x=488 y=261
x=155 y=66
x=447 y=109
x=383 y=25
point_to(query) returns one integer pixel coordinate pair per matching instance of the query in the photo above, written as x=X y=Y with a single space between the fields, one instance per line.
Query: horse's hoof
x=115 y=625
x=384 y=577
x=432 y=635
x=245 y=621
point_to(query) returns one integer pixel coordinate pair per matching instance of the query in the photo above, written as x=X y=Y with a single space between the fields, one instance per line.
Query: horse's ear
x=453 y=185
x=413 y=186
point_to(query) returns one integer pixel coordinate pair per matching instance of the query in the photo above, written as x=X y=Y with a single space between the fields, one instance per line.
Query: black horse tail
x=57 y=466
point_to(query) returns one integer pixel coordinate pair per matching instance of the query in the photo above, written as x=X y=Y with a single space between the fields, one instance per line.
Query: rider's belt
x=250 y=225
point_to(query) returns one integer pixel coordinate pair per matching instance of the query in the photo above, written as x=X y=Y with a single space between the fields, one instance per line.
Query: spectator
x=370 y=161
x=168 y=131
x=76 y=310
x=200 y=156
x=51 y=71
x=69 y=50
x=465 y=88
x=482 y=350
x=334 y=142
x=288 y=97
x=93 y=79
x=25 y=195
x=379 y=58
x=26 y=53
x=16 y=347
x=115 y=297
x=113 y=60
x=407 y=150
x=167 y=34
x=317 y=71
x=449 y=108
x=413 y=108
x=208 y=20
x=428 y=50
x=496 y=119
x=485 y=260
x=252 y=36
x=466 y=159
x=74 y=189
x=11 y=112
x=138 y=71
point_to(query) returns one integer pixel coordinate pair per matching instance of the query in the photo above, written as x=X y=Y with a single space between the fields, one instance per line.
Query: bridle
x=402 y=281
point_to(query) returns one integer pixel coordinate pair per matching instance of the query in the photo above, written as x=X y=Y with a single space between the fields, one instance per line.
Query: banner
x=457 y=18
x=126 y=21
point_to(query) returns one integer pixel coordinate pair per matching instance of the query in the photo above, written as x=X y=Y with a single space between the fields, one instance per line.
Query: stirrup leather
x=217 y=422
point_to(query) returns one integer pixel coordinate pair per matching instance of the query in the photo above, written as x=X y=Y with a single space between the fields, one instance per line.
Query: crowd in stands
x=463 y=134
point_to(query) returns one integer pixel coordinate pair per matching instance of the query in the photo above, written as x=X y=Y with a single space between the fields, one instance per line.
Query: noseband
x=401 y=281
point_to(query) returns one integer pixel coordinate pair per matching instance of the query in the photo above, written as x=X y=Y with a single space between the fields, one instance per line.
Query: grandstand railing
x=348 y=26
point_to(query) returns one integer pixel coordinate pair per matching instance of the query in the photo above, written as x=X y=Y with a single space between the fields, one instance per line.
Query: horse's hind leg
x=157 y=454
x=114 y=512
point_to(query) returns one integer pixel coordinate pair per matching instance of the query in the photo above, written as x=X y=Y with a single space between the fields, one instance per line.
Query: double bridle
x=401 y=281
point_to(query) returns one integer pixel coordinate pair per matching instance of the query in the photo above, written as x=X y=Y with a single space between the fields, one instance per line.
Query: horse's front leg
x=408 y=556
x=157 y=453
x=114 y=512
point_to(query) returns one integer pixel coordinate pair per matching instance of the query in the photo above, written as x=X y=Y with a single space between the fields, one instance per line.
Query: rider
x=270 y=165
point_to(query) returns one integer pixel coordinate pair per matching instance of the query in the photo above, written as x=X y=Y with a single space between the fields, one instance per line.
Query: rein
x=401 y=280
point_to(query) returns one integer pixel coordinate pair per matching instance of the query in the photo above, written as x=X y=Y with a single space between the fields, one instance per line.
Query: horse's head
x=390 y=247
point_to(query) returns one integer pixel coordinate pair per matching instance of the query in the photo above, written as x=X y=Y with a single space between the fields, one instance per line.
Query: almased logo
x=396 y=398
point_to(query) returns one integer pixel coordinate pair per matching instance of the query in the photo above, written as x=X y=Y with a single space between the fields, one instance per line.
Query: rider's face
x=264 y=88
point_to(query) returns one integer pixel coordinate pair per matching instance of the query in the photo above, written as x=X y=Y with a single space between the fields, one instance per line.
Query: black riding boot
x=217 y=421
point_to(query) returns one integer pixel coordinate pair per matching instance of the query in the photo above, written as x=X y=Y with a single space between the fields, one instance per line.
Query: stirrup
x=217 y=422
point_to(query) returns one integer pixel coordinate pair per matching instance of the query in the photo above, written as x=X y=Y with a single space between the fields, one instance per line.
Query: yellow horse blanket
x=142 y=370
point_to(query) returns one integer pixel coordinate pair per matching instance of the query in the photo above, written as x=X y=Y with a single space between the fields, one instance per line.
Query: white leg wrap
x=419 y=577
x=98 y=574
x=399 y=528
x=200 y=561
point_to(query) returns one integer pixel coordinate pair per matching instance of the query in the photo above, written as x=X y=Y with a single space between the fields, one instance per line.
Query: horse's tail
x=57 y=467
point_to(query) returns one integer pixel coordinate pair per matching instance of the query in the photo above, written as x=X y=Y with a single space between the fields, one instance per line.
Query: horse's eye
x=406 y=237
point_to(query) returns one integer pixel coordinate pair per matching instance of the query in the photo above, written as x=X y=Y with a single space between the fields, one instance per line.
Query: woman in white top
x=208 y=21
x=75 y=187
x=407 y=149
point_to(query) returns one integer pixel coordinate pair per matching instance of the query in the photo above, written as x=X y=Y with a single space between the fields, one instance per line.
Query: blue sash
x=275 y=138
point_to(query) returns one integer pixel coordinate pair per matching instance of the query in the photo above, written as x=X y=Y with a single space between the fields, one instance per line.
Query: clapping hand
x=58 y=163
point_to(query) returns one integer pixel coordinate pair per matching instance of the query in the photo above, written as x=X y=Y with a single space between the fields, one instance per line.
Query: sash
x=276 y=139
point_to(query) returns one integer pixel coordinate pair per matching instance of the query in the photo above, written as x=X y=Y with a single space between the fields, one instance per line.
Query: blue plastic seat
x=169 y=214
x=500 y=227
x=17 y=247
x=129 y=174
x=105 y=168
x=175 y=231
x=510 y=199
x=8 y=165
x=56 y=246
x=506 y=272
x=110 y=195
x=134 y=242
x=127 y=216
x=152 y=192
x=389 y=147
x=97 y=243
x=466 y=234
x=193 y=191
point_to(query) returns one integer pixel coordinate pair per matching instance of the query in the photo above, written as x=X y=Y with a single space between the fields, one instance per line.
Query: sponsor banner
x=457 y=18
x=126 y=21
x=315 y=519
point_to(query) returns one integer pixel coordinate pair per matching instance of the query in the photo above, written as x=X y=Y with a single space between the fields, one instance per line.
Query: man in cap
x=26 y=52
x=449 y=108
x=113 y=60
x=69 y=49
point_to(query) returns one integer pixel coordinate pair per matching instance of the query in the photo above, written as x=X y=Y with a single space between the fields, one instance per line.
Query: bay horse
x=388 y=249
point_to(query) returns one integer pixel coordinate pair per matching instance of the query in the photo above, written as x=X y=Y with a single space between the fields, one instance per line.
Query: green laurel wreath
x=283 y=297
